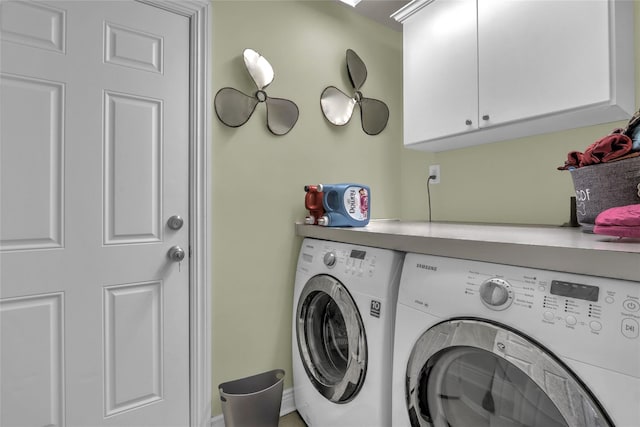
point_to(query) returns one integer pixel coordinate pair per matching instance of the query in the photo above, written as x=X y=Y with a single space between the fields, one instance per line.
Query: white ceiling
x=380 y=10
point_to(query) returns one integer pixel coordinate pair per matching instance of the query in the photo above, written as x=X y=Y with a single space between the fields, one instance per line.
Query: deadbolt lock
x=175 y=222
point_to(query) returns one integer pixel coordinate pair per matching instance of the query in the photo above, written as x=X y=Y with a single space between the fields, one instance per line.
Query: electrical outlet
x=434 y=170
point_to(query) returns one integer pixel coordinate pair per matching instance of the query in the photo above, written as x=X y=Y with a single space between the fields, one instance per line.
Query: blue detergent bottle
x=345 y=205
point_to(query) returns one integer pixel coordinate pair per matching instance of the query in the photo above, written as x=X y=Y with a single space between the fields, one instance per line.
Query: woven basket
x=605 y=185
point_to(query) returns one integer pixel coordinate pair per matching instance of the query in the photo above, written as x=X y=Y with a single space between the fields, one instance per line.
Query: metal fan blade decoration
x=337 y=106
x=234 y=108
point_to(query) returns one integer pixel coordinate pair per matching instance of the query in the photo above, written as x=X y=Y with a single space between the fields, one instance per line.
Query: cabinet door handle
x=485 y=117
x=468 y=122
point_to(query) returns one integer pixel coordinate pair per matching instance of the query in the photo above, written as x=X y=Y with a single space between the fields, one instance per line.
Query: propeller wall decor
x=338 y=107
x=234 y=108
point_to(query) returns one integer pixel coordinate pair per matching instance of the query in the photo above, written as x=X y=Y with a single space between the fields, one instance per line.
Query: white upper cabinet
x=440 y=71
x=479 y=71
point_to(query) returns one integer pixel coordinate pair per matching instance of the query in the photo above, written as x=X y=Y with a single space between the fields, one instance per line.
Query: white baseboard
x=288 y=405
x=217 y=421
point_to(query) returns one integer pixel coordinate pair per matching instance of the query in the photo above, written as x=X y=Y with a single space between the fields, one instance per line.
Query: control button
x=609 y=300
x=631 y=305
x=630 y=328
x=571 y=320
x=541 y=288
x=548 y=315
x=595 y=326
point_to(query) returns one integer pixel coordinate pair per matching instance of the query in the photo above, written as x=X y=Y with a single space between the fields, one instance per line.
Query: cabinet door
x=440 y=70
x=541 y=58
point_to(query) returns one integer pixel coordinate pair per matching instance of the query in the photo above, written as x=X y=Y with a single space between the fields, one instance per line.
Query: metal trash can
x=253 y=401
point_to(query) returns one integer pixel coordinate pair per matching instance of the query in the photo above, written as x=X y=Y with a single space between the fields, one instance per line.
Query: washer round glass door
x=331 y=339
x=467 y=372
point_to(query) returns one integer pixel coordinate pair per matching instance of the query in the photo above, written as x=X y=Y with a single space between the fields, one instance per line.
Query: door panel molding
x=42 y=317
x=42 y=226
x=134 y=370
x=51 y=35
x=128 y=180
x=148 y=57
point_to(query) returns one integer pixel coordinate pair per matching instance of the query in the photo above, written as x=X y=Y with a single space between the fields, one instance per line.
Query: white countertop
x=545 y=247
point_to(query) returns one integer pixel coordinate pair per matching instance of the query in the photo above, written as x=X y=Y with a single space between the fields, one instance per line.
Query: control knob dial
x=496 y=293
x=329 y=259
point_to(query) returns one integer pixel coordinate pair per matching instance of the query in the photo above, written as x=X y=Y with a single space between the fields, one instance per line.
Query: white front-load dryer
x=343 y=314
x=480 y=344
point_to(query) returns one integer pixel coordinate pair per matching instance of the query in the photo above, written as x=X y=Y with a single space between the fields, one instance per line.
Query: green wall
x=258 y=178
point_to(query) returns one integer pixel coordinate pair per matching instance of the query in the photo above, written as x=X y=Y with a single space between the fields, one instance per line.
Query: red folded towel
x=606 y=149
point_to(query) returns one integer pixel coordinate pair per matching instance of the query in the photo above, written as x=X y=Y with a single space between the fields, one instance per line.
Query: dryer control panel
x=585 y=318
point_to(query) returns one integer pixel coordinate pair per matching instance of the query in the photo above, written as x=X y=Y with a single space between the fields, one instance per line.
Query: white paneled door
x=94 y=158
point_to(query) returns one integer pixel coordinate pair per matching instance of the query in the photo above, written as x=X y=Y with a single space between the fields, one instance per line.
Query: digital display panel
x=574 y=290
x=358 y=254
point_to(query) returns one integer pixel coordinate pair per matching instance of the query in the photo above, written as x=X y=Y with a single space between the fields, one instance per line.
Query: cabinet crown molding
x=409 y=9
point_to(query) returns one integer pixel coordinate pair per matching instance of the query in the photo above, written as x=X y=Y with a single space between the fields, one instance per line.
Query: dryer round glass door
x=467 y=372
x=331 y=339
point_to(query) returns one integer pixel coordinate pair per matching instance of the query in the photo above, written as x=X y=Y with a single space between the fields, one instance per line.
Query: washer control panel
x=582 y=317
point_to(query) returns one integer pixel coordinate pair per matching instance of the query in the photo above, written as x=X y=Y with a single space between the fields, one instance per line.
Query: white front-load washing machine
x=343 y=313
x=480 y=344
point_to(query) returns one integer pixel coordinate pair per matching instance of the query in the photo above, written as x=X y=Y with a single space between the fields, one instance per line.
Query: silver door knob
x=176 y=253
x=175 y=222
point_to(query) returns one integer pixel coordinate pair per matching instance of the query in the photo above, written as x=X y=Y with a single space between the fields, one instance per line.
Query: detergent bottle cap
x=324 y=220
